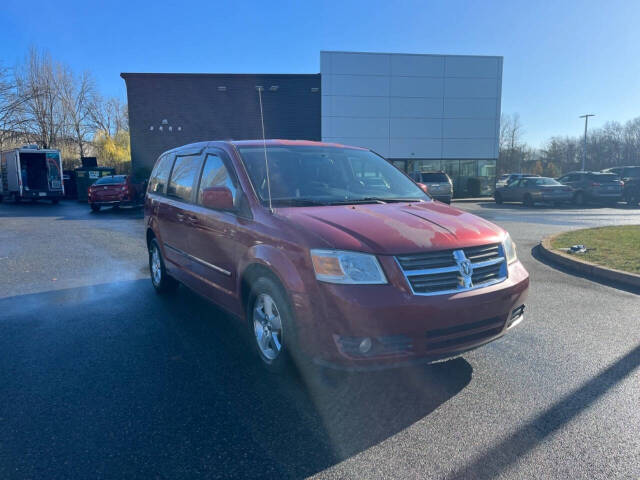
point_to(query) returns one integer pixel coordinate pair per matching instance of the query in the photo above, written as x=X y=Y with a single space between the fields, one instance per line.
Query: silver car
x=531 y=190
x=439 y=185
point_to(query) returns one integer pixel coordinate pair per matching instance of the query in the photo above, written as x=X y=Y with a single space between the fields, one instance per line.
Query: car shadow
x=67 y=210
x=115 y=381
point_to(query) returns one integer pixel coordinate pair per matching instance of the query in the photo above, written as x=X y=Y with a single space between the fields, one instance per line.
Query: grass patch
x=613 y=247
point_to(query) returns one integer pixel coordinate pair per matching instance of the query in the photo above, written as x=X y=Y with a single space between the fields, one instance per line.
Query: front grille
x=451 y=271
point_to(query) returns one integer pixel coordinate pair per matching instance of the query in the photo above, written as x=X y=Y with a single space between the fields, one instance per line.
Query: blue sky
x=561 y=59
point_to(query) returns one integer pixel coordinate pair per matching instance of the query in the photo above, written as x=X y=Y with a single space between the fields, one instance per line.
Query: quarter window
x=183 y=175
x=160 y=175
x=215 y=174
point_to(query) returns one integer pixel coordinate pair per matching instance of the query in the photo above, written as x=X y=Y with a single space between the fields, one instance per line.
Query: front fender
x=282 y=264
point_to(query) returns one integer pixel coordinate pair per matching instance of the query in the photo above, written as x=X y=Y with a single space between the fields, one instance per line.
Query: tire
x=498 y=198
x=272 y=331
x=528 y=201
x=578 y=198
x=16 y=198
x=95 y=208
x=162 y=282
x=55 y=201
x=633 y=199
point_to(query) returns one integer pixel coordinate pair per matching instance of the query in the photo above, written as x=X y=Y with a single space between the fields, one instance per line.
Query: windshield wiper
x=374 y=200
x=353 y=201
x=299 y=202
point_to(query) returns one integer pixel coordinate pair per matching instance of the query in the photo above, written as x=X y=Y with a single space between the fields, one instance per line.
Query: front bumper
x=406 y=328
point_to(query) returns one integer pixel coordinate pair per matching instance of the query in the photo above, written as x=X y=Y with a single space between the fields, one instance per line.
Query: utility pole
x=584 y=150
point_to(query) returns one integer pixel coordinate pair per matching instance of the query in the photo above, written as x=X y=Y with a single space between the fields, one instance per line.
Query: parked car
x=439 y=185
x=594 y=187
x=532 y=190
x=31 y=173
x=507 y=178
x=334 y=257
x=115 y=191
x=631 y=178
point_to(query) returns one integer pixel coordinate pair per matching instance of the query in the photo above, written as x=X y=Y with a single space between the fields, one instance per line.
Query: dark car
x=439 y=185
x=115 y=191
x=335 y=256
x=595 y=187
x=532 y=190
x=631 y=178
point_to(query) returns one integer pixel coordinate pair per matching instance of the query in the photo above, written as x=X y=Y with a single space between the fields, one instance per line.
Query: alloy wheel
x=156 y=266
x=267 y=327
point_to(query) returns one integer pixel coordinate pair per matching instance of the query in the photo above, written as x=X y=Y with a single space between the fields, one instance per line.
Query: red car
x=115 y=191
x=329 y=253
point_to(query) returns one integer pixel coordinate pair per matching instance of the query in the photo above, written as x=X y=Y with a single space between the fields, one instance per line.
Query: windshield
x=111 y=180
x=301 y=175
x=434 y=177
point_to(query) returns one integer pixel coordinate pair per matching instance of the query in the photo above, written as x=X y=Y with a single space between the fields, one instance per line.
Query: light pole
x=584 y=150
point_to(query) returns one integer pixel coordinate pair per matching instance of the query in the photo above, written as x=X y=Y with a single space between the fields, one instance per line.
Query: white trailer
x=31 y=173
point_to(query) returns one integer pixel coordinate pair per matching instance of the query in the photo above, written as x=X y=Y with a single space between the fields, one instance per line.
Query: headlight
x=509 y=249
x=336 y=266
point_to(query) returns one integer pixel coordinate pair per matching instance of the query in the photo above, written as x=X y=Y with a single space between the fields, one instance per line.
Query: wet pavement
x=101 y=378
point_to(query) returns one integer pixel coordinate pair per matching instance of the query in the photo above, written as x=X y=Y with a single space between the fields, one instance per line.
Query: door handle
x=192 y=219
x=180 y=217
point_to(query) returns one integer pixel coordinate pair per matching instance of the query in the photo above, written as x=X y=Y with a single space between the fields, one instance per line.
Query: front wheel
x=579 y=198
x=271 y=325
x=498 y=198
x=161 y=280
x=95 y=208
x=55 y=201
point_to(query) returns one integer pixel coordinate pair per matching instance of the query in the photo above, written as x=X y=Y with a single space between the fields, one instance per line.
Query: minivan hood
x=392 y=228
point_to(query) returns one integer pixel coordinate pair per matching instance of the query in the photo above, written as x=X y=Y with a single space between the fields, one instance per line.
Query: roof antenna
x=264 y=146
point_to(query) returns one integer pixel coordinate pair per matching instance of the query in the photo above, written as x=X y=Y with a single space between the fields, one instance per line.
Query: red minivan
x=329 y=253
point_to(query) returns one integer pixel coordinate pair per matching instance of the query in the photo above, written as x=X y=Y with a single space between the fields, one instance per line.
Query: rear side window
x=631 y=172
x=603 y=177
x=216 y=174
x=160 y=175
x=184 y=173
x=435 y=177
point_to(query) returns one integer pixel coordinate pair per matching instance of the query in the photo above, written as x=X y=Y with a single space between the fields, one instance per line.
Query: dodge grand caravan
x=329 y=253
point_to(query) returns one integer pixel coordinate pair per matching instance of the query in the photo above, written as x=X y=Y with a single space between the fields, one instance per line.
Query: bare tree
x=77 y=94
x=109 y=115
x=512 y=149
x=11 y=106
x=38 y=83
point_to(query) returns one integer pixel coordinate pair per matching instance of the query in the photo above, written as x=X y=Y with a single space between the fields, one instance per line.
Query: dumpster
x=86 y=176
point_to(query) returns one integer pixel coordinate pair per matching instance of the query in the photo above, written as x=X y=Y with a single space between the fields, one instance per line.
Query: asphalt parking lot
x=101 y=378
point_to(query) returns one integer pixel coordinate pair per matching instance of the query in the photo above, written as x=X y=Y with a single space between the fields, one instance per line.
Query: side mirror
x=423 y=187
x=217 y=198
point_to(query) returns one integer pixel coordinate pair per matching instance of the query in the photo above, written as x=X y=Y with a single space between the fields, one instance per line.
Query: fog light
x=365 y=345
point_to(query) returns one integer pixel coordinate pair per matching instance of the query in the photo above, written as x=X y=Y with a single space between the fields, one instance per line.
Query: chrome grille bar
x=453 y=271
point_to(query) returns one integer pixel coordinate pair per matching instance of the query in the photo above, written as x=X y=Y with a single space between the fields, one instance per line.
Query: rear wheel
x=633 y=199
x=578 y=198
x=271 y=325
x=161 y=280
x=95 y=208
x=55 y=201
x=498 y=198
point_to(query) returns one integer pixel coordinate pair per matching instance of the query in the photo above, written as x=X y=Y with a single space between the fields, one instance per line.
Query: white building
x=422 y=112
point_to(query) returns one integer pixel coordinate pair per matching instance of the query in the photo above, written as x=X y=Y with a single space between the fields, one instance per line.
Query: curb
x=588 y=269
